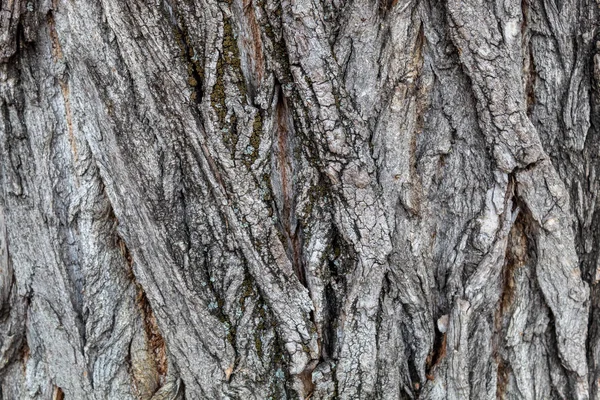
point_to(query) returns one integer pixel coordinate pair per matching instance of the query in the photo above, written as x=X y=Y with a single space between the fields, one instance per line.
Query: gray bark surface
x=294 y=199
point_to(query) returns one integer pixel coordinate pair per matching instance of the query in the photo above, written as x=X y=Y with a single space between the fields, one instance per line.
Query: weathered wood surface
x=254 y=199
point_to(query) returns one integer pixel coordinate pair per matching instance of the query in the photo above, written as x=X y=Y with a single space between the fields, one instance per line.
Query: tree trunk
x=290 y=199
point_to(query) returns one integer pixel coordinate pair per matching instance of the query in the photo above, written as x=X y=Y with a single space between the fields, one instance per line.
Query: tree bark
x=290 y=199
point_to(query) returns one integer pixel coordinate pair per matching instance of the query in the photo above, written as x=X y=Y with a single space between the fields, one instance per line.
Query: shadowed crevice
x=284 y=186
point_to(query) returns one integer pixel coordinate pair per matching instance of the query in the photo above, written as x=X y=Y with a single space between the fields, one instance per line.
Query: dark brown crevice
x=253 y=49
x=156 y=346
x=156 y=343
x=516 y=257
x=520 y=252
x=57 y=393
x=520 y=249
x=437 y=354
x=413 y=362
x=328 y=341
x=283 y=177
x=192 y=60
x=340 y=258
x=25 y=352
x=530 y=83
x=528 y=61
x=306 y=379
x=282 y=180
x=502 y=377
x=57 y=53
x=385 y=6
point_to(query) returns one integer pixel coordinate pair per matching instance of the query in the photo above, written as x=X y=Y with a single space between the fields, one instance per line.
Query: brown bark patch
x=57 y=53
x=306 y=379
x=502 y=378
x=156 y=343
x=64 y=87
x=284 y=174
x=25 y=353
x=530 y=83
x=517 y=251
x=252 y=45
x=58 y=394
x=437 y=354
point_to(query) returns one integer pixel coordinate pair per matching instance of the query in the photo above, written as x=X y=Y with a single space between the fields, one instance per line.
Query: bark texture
x=293 y=199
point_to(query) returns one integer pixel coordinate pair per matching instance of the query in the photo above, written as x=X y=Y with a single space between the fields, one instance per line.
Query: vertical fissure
x=192 y=60
x=284 y=186
x=150 y=371
x=520 y=254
